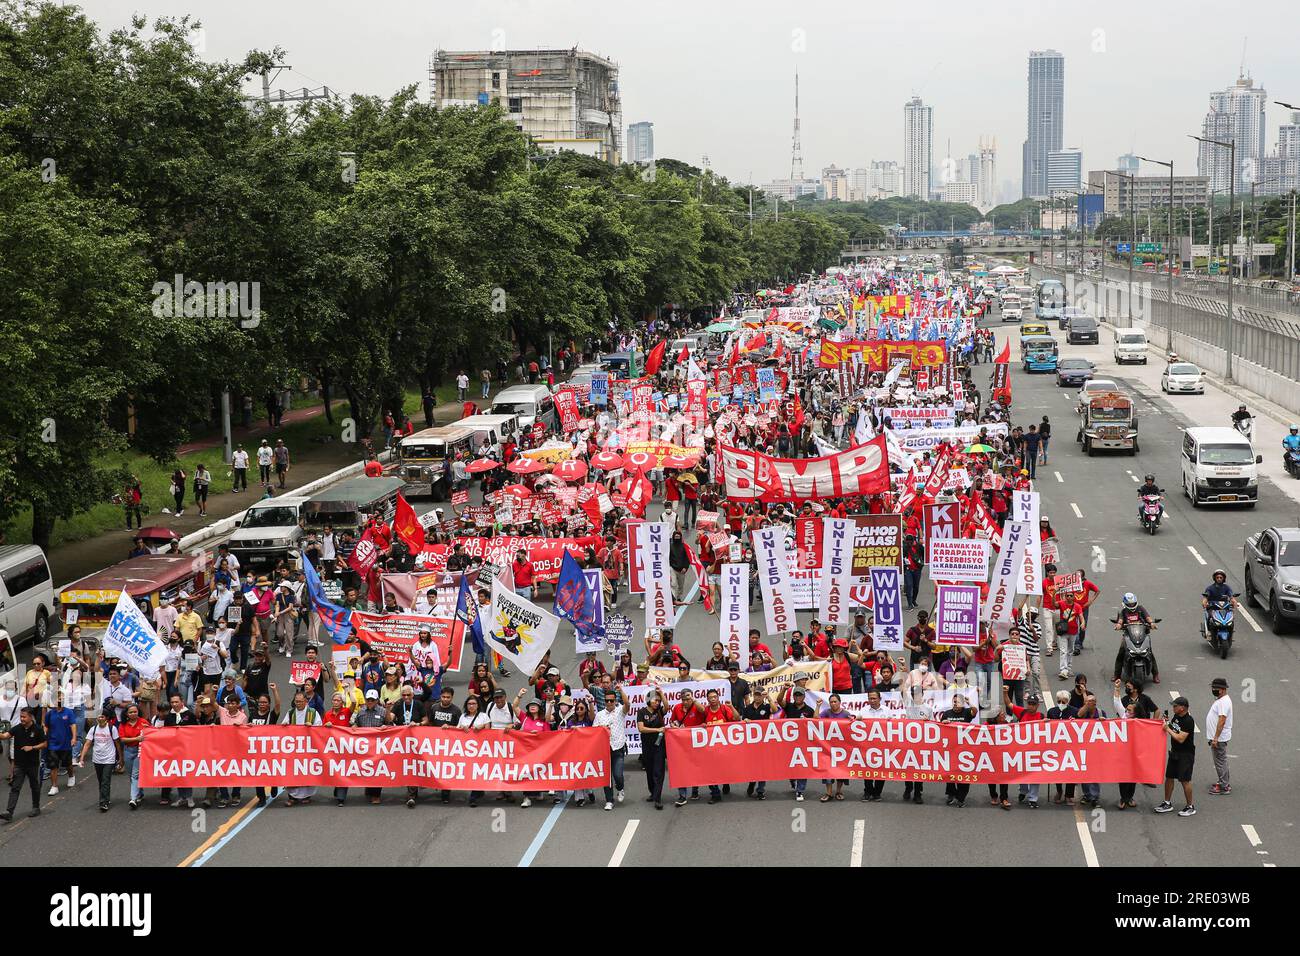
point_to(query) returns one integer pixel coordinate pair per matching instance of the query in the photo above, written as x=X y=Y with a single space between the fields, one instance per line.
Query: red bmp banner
x=439 y=757
x=880 y=356
x=1041 y=751
x=545 y=554
x=751 y=475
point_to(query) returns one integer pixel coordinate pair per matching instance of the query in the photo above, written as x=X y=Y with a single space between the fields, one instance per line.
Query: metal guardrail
x=1243 y=293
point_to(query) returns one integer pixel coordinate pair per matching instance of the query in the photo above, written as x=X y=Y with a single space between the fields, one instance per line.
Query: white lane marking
x=1079 y=514
x=1251 y=835
x=1250 y=620
x=624 y=842
x=1196 y=554
x=859 y=834
x=1133 y=476
x=1085 y=838
x=1058 y=477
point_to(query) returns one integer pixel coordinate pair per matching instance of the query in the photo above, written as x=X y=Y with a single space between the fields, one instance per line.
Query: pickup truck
x=268 y=531
x=1272 y=575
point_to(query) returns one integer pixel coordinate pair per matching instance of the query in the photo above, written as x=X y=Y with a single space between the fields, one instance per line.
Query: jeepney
x=1108 y=421
x=1039 y=353
x=90 y=601
x=422 y=458
x=348 y=507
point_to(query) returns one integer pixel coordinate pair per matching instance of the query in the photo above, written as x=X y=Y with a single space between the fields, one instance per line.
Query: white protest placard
x=131 y=638
x=1014 y=663
x=959 y=559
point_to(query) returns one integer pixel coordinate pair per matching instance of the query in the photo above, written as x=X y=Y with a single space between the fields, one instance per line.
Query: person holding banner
x=958 y=713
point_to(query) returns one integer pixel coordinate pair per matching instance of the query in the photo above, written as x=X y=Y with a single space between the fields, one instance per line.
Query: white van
x=1219 y=466
x=492 y=428
x=1130 y=346
x=530 y=403
x=26 y=592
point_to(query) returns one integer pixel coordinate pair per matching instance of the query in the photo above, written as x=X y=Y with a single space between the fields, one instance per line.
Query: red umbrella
x=571 y=470
x=480 y=465
x=680 y=461
x=525 y=466
x=641 y=460
x=517 y=491
x=607 y=460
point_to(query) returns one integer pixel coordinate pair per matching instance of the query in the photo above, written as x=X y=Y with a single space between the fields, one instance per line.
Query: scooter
x=1138 y=664
x=1151 y=512
x=1246 y=426
x=1291 y=461
x=1217 y=626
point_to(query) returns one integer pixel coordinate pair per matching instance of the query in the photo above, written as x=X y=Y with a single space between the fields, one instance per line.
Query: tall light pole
x=1169 y=252
x=1132 y=208
x=1231 y=146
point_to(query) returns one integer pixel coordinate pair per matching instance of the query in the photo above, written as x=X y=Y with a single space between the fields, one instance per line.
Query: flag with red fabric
x=702 y=577
x=407 y=527
x=684 y=355
x=365 y=554
x=656 y=358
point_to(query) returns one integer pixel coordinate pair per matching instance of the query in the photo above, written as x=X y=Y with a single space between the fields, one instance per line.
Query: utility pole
x=1231 y=147
x=1169 y=253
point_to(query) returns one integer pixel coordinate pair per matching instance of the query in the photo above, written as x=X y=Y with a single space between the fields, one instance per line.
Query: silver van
x=26 y=592
x=531 y=403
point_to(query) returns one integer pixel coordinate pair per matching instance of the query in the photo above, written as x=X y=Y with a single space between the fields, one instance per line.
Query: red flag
x=467 y=409
x=702 y=576
x=656 y=358
x=780 y=348
x=1005 y=355
x=406 y=525
x=365 y=554
x=685 y=355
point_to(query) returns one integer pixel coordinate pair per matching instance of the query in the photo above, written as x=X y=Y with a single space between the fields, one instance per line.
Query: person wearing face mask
x=680 y=567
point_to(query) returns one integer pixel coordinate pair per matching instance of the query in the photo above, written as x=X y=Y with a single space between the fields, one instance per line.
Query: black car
x=1082 y=330
x=1073 y=371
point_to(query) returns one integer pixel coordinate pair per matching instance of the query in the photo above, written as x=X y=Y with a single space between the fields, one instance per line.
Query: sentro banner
x=881 y=356
x=439 y=757
x=1040 y=751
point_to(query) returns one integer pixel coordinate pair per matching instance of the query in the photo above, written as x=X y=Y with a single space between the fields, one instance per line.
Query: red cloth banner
x=808 y=542
x=566 y=404
x=1040 y=751
x=441 y=758
x=393 y=634
x=881 y=356
x=751 y=475
x=543 y=553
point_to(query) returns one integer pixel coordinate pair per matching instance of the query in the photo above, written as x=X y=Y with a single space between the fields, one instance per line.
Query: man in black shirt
x=1181 y=728
x=28 y=741
x=795 y=709
x=257 y=675
x=756 y=707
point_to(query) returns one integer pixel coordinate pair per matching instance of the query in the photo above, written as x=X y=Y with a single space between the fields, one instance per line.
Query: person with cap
x=1181 y=730
x=371 y=715
x=284 y=616
x=1025 y=714
x=687 y=713
x=794 y=707
x=613 y=717
x=532 y=720
x=104 y=746
x=756 y=706
x=1218 y=730
x=548 y=678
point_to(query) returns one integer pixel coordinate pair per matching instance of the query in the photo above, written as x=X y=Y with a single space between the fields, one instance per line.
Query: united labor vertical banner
x=1007 y=571
x=733 y=617
x=1025 y=509
x=887 y=609
x=774 y=579
x=837 y=570
x=653 y=538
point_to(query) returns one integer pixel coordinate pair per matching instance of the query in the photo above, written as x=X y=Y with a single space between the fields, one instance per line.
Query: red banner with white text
x=544 y=554
x=393 y=634
x=1041 y=751
x=751 y=475
x=438 y=757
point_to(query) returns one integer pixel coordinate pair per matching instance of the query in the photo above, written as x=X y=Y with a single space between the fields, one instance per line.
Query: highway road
x=1092 y=504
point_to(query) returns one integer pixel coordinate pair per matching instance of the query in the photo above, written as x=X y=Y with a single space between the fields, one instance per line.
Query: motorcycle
x=1291 y=460
x=1138 y=659
x=1246 y=426
x=1151 y=512
x=1217 y=626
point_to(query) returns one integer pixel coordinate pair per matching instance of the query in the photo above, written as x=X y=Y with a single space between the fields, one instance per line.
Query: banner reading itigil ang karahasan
x=1043 y=751
x=439 y=757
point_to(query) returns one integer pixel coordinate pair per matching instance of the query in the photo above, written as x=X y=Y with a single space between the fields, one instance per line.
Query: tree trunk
x=42 y=526
x=326 y=396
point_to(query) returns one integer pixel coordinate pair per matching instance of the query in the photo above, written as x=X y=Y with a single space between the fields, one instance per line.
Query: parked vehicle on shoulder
x=26 y=592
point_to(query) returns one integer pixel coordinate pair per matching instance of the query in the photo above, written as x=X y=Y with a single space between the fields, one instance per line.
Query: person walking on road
x=613 y=720
x=265 y=458
x=1181 y=728
x=1218 y=727
x=281 y=454
x=239 y=465
x=28 y=740
x=1044 y=437
x=1032 y=442
x=650 y=723
x=105 y=749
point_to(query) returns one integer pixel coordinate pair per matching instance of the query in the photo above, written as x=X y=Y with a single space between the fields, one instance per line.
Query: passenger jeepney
x=1108 y=421
x=1039 y=353
x=422 y=458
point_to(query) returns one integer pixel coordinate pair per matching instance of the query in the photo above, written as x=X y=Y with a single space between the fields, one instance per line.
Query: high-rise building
x=987 y=193
x=917 y=148
x=963 y=192
x=1122 y=195
x=791 y=189
x=1288 y=138
x=1064 y=171
x=1128 y=164
x=641 y=142
x=859 y=183
x=1236 y=116
x=885 y=179
x=835 y=184
x=563 y=99
x=1045 y=119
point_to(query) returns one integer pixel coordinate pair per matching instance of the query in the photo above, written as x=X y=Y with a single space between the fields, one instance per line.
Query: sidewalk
x=251 y=437
x=1215 y=407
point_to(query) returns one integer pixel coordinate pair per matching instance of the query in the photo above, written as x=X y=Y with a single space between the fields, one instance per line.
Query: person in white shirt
x=164 y=617
x=239 y=465
x=105 y=748
x=462 y=386
x=222 y=598
x=1218 y=731
x=613 y=718
x=265 y=455
x=427 y=602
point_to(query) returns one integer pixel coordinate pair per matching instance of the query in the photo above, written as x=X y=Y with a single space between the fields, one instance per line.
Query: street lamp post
x=1169 y=253
x=1231 y=146
x=1132 y=209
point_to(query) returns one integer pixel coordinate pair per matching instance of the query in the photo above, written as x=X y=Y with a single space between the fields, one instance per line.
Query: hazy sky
x=716 y=78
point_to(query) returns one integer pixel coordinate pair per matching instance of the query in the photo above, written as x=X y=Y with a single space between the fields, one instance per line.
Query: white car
x=1182 y=377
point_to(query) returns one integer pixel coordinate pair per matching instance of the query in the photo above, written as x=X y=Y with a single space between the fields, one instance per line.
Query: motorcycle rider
x=1131 y=613
x=1148 y=487
x=1217 y=591
x=1239 y=416
x=1291 y=442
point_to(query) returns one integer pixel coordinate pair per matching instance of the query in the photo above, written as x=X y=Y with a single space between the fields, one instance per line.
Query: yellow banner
x=771 y=682
x=880 y=356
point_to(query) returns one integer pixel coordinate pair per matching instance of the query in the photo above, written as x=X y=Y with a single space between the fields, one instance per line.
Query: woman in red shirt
x=130 y=733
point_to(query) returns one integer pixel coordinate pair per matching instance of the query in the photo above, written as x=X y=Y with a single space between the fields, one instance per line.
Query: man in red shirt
x=1031 y=711
x=687 y=713
x=523 y=575
x=1088 y=597
x=716 y=712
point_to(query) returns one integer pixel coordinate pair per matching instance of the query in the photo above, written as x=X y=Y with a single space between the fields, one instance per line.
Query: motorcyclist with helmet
x=1240 y=415
x=1291 y=442
x=1133 y=613
x=1218 y=590
x=1148 y=487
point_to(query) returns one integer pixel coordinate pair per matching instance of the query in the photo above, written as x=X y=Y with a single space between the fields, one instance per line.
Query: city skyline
x=1121 y=97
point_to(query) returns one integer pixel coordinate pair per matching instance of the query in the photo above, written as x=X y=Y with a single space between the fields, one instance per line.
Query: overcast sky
x=716 y=78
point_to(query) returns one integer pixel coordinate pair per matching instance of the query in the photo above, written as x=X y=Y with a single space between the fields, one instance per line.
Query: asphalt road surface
x=1092 y=504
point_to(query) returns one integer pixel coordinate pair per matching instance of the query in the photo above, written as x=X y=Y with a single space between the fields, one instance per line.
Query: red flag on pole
x=1005 y=355
x=406 y=524
x=685 y=355
x=656 y=358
